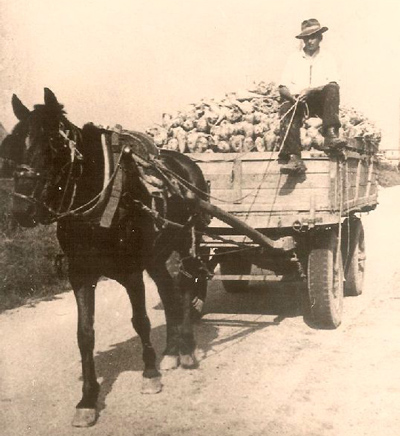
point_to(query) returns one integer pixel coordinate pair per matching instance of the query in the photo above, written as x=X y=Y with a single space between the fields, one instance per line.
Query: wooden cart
x=312 y=220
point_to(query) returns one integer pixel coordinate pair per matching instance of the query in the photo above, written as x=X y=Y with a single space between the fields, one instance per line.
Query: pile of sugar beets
x=249 y=123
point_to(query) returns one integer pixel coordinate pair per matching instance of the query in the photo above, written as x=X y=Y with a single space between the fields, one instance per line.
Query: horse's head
x=43 y=146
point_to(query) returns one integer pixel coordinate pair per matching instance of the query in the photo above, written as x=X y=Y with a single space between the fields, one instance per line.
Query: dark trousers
x=324 y=104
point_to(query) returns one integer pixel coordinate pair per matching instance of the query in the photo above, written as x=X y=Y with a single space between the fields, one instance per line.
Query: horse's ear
x=50 y=99
x=20 y=110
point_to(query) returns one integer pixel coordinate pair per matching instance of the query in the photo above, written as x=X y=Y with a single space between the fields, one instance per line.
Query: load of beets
x=246 y=122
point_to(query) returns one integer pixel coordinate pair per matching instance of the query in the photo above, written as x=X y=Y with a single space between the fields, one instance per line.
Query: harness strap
x=159 y=220
x=112 y=203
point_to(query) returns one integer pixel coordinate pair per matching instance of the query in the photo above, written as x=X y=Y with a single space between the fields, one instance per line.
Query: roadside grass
x=27 y=270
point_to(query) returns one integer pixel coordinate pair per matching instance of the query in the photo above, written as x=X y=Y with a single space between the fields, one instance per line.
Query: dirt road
x=263 y=371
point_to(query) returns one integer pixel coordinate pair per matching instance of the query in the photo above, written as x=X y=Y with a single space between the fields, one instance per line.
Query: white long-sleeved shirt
x=302 y=71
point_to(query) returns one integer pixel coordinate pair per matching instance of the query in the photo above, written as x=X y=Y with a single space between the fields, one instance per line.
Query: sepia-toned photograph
x=199 y=212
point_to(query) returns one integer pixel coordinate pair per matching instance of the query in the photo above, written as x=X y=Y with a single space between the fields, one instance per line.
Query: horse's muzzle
x=24 y=211
x=25 y=208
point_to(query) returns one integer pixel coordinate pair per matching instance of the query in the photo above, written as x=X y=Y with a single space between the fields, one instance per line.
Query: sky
x=129 y=61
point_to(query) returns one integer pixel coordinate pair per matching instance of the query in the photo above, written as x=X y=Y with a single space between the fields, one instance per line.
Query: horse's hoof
x=188 y=361
x=199 y=354
x=169 y=362
x=84 y=418
x=151 y=385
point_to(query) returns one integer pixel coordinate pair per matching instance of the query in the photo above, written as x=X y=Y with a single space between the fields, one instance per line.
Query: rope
x=256 y=189
x=162 y=169
x=89 y=206
x=293 y=108
x=80 y=211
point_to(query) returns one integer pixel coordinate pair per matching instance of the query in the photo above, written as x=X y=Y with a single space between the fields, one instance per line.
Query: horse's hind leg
x=176 y=295
x=186 y=283
x=173 y=313
x=84 y=287
x=141 y=323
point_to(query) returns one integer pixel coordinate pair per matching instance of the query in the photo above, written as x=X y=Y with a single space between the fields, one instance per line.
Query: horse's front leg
x=84 y=287
x=137 y=295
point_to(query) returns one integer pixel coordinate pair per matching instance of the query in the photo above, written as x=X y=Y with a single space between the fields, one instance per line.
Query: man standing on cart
x=309 y=87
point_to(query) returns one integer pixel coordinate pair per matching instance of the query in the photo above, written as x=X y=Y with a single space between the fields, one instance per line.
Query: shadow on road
x=280 y=299
x=272 y=298
x=122 y=357
x=127 y=356
x=208 y=340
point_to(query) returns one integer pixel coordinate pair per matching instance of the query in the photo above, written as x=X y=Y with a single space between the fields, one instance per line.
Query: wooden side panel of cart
x=251 y=187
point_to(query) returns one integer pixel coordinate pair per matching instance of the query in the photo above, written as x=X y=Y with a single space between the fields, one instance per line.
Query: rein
x=74 y=164
x=87 y=208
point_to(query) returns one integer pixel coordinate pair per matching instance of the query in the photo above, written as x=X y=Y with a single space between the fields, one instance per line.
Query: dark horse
x=63 y=174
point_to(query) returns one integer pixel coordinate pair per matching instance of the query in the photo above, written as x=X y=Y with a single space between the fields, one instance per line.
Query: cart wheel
x=355 y=261
x=238 y=265
x=325 y=281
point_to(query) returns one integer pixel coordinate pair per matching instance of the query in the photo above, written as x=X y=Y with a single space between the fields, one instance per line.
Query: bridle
x=71 y=139
x=68 y=174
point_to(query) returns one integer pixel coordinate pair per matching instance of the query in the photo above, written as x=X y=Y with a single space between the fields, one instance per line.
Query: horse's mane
x=90 y=131
x=91 y=148
x=59 y=109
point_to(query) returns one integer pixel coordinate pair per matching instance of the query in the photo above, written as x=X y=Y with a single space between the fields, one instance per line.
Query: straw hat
x=310 y=27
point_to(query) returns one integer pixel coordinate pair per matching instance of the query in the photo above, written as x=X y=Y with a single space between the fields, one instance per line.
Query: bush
x=388 y=174
x=26 y=259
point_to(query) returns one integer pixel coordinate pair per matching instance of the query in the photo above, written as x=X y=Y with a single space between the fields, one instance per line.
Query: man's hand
x=305 y=94
x=285 y=94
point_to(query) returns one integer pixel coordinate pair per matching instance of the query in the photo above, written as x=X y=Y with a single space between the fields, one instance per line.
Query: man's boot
x=332 y=139
x=294 y=166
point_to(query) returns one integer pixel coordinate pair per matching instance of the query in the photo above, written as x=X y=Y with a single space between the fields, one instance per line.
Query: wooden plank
x=282 y=180
x=216 y=167
x=294 y=201
x=351 y=177
x=252 y=156
x=237 y=181
x=370 y=177
x=361 y=205
x=273 y=167
x=271 y=155
x=269 y=181
x=335 y=181
x=274 y=221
